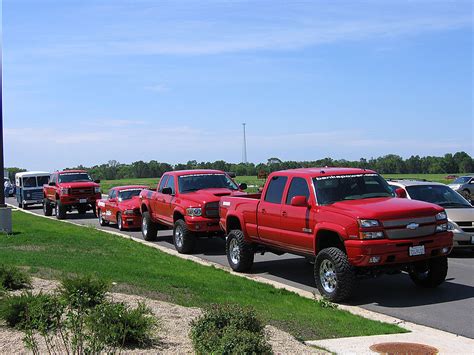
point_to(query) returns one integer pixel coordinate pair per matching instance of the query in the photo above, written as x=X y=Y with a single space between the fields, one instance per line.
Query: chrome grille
x=81 y=191
x=211 y=210
x=467 y=227
x=406 y=221
x=399 y=233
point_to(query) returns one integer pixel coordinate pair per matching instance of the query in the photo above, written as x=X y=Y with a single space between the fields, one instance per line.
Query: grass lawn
x=51 y=248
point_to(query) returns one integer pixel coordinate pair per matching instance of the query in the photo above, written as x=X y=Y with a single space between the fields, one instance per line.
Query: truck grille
x=211 y=210
x=467 y=227
x=397 y=229
x=81 y=191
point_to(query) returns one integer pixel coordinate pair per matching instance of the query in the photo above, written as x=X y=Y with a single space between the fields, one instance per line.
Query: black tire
x=149 y=229
x=334 y=275
x=60 y=210
x=47 y=208
x=183 y=239
x=119 y=222
x=430 y=274
x=102 y=221
x=466 y=194
x=20 y=205
x=240 y=254
x=24 y=206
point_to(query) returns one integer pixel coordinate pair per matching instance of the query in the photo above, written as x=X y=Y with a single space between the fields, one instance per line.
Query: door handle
x=264 y=211
x=284 y=213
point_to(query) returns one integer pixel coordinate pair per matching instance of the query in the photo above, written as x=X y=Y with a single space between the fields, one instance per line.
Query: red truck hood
x=385 y=208
x=78 y=184
x=131 y=204
x=210 y=195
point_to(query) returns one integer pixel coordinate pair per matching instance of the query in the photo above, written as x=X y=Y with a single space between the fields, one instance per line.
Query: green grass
x=52 y=249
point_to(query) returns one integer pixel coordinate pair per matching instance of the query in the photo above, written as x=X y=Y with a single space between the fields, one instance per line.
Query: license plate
x=83 y=200
x=418 y=250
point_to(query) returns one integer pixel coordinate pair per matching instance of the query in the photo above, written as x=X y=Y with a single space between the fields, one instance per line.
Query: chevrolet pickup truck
x=68 y=190
x=188 y=202
x=348 y=221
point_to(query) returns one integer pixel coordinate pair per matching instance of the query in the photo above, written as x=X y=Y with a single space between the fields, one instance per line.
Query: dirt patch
x=172 y=335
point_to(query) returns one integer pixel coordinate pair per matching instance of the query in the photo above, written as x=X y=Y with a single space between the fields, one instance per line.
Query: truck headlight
x=443 y=227
x=441 y=216
x=372 y=235
x=194 y=211
x=97 y=190
x=368 y=223
x=64 y=191
x=453 y=226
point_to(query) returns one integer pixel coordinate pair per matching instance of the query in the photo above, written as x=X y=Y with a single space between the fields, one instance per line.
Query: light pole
x=244 y=151
x=5 y=211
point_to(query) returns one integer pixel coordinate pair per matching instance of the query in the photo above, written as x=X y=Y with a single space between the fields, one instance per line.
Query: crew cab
x=68 y=190
x=348 y=221
x=188 y=202
x=122 y=206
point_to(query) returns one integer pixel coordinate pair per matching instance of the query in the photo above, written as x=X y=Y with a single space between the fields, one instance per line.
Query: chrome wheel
x=119 y=221
x=144 y=227
x=234 y=251
x=327 y=275
x=178 y=237
x=101 y=221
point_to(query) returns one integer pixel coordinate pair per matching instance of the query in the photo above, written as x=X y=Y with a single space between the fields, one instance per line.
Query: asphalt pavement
x=450 y=307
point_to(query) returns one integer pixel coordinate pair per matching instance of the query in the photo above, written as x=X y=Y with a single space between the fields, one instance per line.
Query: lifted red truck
x=348 y=221
x=188 y=202
x=68 y=190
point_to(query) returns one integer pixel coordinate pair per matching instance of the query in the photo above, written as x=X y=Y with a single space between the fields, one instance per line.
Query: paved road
x=449 y=307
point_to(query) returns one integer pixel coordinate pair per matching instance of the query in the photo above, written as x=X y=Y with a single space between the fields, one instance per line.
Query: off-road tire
x=60 y=210
x=434 y=275
x=183 y=239
x=240 y=254
x=149 y=229
x=344 y=274
x=119 y=222
x=466 y=194
x=47 y=208
x=102 y=221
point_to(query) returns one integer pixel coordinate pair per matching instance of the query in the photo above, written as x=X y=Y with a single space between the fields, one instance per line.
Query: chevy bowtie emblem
x=413 y=226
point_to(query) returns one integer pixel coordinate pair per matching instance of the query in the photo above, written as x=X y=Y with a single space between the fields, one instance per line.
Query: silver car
x=465 y=186
x=459 y=210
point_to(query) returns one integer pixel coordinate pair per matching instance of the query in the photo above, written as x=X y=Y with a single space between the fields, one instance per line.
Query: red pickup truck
x=188 y=202
x=122 y=206
x=348 y=221
x=68 y=190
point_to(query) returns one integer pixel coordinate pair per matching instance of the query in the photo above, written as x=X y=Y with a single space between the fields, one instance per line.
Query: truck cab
x=29 y=187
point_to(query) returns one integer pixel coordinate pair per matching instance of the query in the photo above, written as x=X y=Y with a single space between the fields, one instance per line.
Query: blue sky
x=89 y=81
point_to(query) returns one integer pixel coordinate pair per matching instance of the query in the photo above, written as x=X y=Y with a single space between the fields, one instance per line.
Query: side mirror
x=299 y=201
x=401 y=193
x=167 y=191
x=52 y=183
x=97 y=181
x=243 y=186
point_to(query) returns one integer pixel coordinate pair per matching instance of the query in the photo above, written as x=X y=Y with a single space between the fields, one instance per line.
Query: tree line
x=460 y=162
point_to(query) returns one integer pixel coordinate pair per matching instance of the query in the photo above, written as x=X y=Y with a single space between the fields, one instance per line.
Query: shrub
x=228 y=329
x=117 y=325
x=13 y=278
x=83 y=291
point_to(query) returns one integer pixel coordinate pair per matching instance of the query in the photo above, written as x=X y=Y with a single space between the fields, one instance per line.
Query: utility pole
x=5 y=212
x=244 y=151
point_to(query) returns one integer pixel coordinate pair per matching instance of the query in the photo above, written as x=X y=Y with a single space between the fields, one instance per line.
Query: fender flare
x=241 y=221
x=332 y=227
x=180 y=210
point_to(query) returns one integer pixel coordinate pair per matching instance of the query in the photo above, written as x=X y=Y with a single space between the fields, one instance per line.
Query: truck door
x=157 y=199
x=269 y=211
x=51 y=190
x=296 y=221
x=111 y=206
x=166 y=207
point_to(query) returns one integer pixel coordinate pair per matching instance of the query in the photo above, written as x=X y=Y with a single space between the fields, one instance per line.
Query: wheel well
x=233 y=223
x=177 y=215
x=327 y=239
x=144 y=208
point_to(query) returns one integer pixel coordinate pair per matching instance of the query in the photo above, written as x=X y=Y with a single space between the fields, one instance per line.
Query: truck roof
x=71 y=171
x=129 y=187
x=31 y=173
x=194 y=172
x=325 y=171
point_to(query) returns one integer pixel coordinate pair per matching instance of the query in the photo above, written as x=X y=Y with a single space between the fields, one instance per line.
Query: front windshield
x=74 y=177
x=439 y=195
x=42 y=180
x=187 y=183
x=29 y=181
x=128 y=194
x=462 y=180
x=330 y=189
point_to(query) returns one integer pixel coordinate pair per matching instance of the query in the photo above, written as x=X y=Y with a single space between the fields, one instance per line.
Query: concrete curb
x=445 y=342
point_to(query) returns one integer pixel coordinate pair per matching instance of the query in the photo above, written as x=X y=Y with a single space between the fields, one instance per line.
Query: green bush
x=228 y=329
x=83 y=291
x=13 y=278
x=117 y=325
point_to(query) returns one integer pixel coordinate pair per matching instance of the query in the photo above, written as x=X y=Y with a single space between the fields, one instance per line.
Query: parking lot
x=448 y=307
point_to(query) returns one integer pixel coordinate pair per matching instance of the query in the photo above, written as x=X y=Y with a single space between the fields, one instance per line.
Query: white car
x=460 y=211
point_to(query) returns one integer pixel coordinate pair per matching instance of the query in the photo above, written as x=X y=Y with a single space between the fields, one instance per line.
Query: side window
x=275 y=189
x=162 y=182
x=112 y=193
x=170 y=183
x=298 y=187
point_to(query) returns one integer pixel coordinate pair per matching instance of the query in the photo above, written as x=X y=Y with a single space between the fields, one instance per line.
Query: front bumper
x=203 y=224
x=131 y=221
x=79 y=200
x=463 y=239
x=393 y=251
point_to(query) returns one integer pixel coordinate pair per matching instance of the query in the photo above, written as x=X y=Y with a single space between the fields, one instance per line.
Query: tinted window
x=162 y=182
x=275 y=189
x=128 y=194
x=170 y=183
x=29 y=181
x=112 y=193
x=42 y=180
x=298 y=187
x=74 y=177
x=439 y=195
x=462 y=180
x=194 y=182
